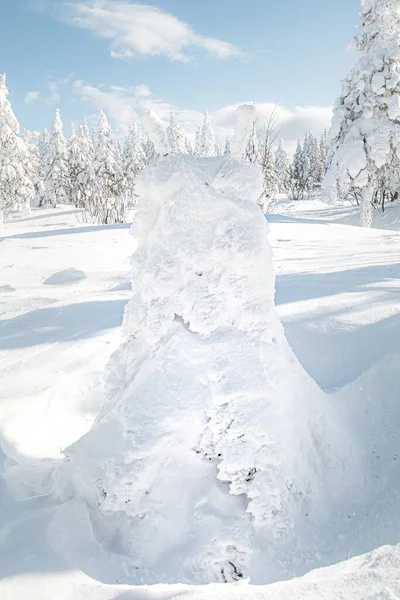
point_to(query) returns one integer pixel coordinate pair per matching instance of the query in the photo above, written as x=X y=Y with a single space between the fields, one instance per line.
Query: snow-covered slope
x=338 y=297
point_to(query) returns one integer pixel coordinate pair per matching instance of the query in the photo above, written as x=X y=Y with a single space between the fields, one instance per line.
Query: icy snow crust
x=213 y=453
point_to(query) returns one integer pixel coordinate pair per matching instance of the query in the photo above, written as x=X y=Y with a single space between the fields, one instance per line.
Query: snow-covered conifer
x=80 y=158
x=188 y=146
x=31 y=139
x=134 y=161
x=311 y=162
x=322 y=155
x=271 y=179
x=176 y=136
x=149 y=151
x=227 y=150
x=56 y=182
x=16 y=169
x=218 y=442
x=282 y=166
x=197 y=143
x=107 y=204
x=365 y=135
x=253 y=147
x=299 y=174
x=208 y=145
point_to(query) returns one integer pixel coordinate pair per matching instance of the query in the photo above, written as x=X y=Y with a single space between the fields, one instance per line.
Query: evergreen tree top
x=3 y=84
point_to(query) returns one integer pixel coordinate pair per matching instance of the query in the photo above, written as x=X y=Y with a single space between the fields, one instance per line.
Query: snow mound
x=215 y=449
x=65 y=277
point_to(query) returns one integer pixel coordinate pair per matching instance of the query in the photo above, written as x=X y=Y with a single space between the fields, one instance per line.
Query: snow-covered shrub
x=364 y=157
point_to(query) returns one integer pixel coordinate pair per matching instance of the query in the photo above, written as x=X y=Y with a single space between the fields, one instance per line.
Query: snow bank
x=215 y=450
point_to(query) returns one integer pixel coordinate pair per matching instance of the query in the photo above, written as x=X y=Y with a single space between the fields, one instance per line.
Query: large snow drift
x=216 y=451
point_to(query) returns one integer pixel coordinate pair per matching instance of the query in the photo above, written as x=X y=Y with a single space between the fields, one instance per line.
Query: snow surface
x=338 y=297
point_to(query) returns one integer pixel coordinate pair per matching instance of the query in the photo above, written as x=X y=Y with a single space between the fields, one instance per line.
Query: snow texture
x=215 y=445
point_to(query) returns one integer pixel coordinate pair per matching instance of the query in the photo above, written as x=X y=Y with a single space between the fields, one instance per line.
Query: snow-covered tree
x=80 y=159
x=271 y=178
x=31 y=139
x=311 y=162
x=56 y=181
x=299 y=174
x=176 y=136
x=107 y=204
x=227 y=150
x=364 y=155
x=253 y=148
x=188 y=146
x=74 y=167
x=322 y=155
x=149 y=151
x=207 y=143
x=283 y=167
x=197 y=142
x=17 y=175
x=134 y=161
x=218 y=442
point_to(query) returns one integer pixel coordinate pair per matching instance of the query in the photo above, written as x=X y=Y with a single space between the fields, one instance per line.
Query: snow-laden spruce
x=107 y=203
x=365 y=136
x=80 y=165
x=206 y=144
x=17 y=172
x=176 y=136
x=215 y=447
x=55 y=170
x=134 y=161
x=283 y=167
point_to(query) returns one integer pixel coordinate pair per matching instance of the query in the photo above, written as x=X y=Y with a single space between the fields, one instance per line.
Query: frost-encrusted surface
x=213 y=449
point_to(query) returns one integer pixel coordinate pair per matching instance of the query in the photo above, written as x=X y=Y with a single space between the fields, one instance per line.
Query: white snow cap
x=246 y=115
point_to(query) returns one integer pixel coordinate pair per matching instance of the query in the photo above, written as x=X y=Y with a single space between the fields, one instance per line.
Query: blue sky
x=182 y=54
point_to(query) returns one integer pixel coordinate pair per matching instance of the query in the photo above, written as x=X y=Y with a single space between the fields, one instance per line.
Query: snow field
x=336 y=290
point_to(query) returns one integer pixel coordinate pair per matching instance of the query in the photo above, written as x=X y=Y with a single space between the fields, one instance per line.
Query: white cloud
x=31 y=97
x=141 y=29
x=142 y=91
x=54 y=93
x=125 y=104
x=120 y=104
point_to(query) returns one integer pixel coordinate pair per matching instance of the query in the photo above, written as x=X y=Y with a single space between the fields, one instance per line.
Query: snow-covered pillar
x=246 y=115
x=214 y=439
